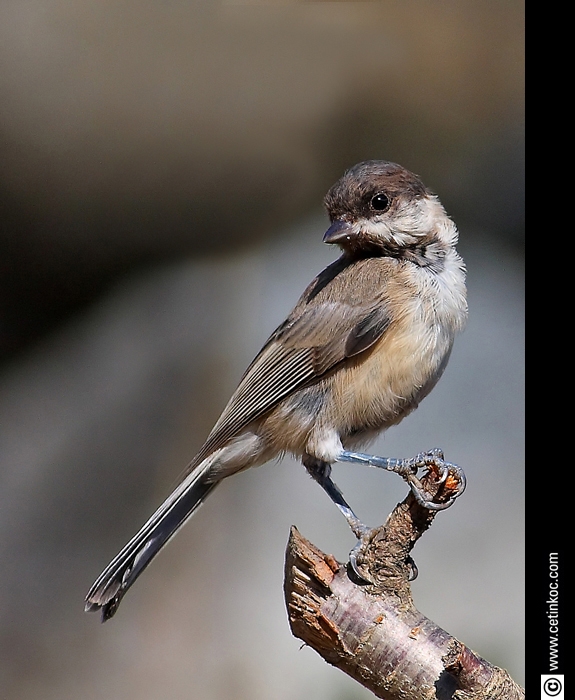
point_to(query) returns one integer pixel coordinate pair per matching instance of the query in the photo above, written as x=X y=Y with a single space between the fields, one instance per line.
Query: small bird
x=366 y=342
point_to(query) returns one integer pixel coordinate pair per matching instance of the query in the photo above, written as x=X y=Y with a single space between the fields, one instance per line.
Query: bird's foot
x=448 y=473
x=353 y=557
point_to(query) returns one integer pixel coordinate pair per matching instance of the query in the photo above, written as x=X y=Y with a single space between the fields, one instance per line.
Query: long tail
x=124 y=569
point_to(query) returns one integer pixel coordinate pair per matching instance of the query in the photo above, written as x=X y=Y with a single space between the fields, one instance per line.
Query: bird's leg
x=321 y=472
x=408 y=468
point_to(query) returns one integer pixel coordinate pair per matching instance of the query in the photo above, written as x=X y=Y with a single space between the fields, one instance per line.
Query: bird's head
x=380 y=208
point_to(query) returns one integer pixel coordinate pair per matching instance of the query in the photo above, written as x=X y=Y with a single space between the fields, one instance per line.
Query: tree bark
x=371 y=629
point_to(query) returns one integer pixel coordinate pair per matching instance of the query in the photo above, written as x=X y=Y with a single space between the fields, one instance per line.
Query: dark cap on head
x=352 y=194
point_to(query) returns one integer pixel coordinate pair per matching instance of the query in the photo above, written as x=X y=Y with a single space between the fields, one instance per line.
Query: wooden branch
x=372 y=631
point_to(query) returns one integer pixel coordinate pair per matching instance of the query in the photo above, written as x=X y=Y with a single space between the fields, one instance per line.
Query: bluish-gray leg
x=321 y=472
x=408 y=468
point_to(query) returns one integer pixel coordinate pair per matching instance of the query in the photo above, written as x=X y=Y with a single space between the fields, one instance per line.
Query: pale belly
x=361 y=398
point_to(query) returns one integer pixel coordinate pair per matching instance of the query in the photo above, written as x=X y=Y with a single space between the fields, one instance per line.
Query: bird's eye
x=380 y=202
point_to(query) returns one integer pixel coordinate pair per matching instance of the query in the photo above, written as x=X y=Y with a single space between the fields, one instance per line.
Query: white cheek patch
x=410 y=221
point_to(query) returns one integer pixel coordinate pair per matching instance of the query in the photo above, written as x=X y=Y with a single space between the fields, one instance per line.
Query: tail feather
x=113 y=583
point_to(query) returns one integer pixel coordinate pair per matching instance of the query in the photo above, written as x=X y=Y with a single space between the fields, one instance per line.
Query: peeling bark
x=372 y=630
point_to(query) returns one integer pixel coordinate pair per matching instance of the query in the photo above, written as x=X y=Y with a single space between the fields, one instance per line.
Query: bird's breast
x=375 y=389
x=381 y=386
x=379 y=389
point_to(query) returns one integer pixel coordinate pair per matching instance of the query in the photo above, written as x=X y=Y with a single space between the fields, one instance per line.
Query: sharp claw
x=353 y=563
x=413 y=574
x=444 y=471
x=414 y=570
x=434 y=458
x=407 y=469
x=419 y=495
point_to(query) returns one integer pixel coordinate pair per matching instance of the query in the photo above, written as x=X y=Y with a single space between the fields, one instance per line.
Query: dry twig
x=372 y=631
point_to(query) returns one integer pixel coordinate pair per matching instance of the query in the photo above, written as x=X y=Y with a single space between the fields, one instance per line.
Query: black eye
x=380 y=201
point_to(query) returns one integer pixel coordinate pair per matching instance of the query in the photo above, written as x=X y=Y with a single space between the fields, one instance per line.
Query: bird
x=368 y=339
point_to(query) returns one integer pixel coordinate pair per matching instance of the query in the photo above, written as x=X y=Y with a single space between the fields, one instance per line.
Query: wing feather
x=324 y=329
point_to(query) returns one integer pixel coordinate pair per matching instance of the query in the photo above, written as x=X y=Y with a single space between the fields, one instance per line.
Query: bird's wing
x=330 y=323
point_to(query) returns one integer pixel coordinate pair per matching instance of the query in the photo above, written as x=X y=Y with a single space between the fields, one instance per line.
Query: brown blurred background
x=160 y=211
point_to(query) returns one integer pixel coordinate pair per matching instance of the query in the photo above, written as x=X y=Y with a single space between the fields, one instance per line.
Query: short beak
x=338 y=232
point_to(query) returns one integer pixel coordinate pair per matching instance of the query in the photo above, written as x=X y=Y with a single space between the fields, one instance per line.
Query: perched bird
x=366 y=342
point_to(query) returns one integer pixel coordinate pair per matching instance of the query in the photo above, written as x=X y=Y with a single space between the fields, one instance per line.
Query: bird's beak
x=338 y=232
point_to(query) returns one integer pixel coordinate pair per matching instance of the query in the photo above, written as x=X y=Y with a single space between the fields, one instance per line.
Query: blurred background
x=163 y=167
